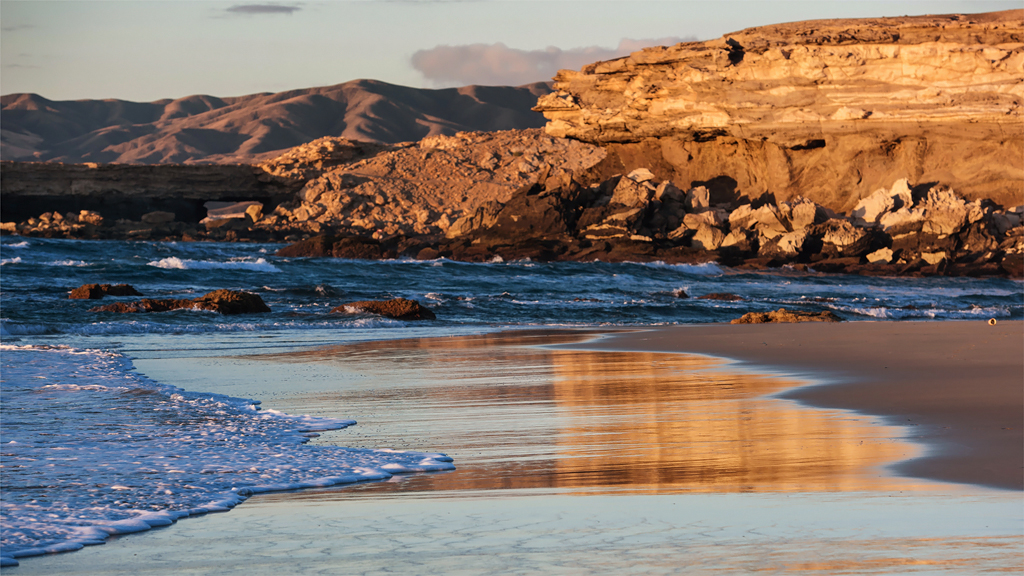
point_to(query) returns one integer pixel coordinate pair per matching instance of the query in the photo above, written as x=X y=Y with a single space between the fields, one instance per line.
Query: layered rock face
x=830 y=110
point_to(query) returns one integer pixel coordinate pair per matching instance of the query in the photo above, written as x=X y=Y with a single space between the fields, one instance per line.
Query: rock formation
x=830 y=110
x=222 y=301
x=399 y=309
x=98 y=291
x=786 y=316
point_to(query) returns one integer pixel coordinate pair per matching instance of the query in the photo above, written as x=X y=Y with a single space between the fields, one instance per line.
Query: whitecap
x=175 y=263
x=69 y=262
x=15 y=260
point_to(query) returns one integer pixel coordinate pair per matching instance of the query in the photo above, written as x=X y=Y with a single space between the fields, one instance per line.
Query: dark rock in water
x=222 y=301
x=97 y=291
x=783 y=315
x=399 y=309
x=144 y=305
x=720 y=296
x=231 y=302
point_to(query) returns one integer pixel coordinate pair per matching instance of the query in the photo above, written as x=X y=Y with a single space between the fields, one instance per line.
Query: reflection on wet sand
x=516 y=415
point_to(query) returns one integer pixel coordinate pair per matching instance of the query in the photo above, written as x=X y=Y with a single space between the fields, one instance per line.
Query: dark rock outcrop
x=399 y=309
x=785 y=316
x=97 y=291
x=222 y=301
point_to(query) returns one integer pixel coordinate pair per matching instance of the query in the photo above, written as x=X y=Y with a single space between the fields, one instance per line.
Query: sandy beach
x=573 y=453
x=960 y=385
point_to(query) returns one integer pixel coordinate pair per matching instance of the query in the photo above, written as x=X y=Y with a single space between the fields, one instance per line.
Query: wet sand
x=959 y=385
x=611 y=456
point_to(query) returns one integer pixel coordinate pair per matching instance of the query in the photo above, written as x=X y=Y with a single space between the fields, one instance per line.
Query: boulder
x=883 y=255
x=869 y=210
x=231 y=302
x=399 y=309
x=697 y=199
x=783 y=315
x=715 y=218
x=787 y=246
x=632 y=193
x=840 y=238
x=707 y=238
x=97 y=291
x=90 y=217
x=800 y=213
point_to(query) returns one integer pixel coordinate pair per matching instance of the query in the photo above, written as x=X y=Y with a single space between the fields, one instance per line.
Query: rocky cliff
x=830 y=110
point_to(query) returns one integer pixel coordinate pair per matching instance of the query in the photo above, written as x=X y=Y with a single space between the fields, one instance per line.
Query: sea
x=91 y=447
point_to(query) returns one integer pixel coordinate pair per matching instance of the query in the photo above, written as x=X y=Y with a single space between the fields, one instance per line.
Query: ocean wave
x=22 y=244
x=175 y=263
x=163 y=455
x=15 y=260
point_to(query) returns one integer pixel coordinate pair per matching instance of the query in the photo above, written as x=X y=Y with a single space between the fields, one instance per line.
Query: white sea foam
x=76 y=470
x=75 y=263
x=175 y=263
x=15 y=260
x=22 y=244
x=705 y=269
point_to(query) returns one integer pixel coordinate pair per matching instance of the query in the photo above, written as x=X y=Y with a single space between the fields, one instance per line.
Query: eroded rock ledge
x=830 y=110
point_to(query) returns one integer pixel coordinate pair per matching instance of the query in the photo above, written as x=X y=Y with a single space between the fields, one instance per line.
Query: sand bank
x=959 y=384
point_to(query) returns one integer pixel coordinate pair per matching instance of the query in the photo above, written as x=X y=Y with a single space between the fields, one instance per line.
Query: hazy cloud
x=499 y=65
x=16 y=27
x=262 y=9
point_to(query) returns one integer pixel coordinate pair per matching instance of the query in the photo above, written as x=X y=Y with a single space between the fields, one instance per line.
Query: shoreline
x=924 y=375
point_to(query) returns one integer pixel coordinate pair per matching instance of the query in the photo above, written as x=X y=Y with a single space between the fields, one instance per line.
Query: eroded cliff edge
x=830 y=110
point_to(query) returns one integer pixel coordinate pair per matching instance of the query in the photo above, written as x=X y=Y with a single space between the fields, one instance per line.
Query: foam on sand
x=91 y=449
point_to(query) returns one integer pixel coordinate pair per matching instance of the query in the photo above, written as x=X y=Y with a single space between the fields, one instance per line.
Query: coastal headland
x=884 y=146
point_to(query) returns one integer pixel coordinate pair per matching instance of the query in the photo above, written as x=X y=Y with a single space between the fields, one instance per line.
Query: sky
x=146 y=50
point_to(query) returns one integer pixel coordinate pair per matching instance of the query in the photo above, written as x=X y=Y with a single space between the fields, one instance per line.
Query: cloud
x=262 y=9
x=499 y=65
x=16 y=27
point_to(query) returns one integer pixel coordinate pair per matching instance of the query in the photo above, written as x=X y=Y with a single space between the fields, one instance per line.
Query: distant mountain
x=206 y=129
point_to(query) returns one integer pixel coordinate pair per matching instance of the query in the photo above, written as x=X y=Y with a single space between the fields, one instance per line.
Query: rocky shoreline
x=522 y=194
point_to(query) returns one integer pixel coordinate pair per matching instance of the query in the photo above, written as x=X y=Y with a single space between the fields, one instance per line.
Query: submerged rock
x=97 y=291
x=724 y=296
x=399 y=309
x=783 y=315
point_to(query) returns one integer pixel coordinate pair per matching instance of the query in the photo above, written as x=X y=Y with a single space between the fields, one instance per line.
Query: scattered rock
x=97 y=291
x=783 y=315
x=399 y=309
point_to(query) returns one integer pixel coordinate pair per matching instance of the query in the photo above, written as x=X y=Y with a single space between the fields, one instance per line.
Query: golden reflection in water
x=517 y=415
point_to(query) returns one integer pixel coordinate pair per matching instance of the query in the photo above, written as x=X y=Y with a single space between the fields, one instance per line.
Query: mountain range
x=205 y=129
